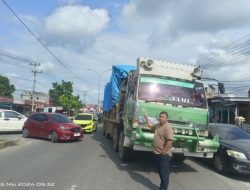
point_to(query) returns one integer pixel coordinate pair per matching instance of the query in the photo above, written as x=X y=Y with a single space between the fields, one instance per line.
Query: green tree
x=6 y=89
x=62 y=95
x=70 y=102
x=65 y=88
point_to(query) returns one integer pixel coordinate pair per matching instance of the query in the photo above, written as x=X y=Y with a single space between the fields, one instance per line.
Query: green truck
x=151 y=87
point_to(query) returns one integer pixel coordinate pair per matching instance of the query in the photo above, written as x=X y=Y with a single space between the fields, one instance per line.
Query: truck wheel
x=124 y=152
x=106 y=134
x=104 y=128
x=116 y=139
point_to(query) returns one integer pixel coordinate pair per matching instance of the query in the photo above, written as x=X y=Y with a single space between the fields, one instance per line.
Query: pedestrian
x=163 y=140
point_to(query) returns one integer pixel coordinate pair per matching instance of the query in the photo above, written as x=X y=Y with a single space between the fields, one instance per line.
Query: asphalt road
x=93 y=165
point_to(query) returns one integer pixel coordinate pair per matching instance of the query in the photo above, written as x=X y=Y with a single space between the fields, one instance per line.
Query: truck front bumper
x=192 y=146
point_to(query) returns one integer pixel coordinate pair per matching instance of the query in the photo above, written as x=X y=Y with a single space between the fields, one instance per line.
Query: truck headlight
x=190 y=132
x=236 y=154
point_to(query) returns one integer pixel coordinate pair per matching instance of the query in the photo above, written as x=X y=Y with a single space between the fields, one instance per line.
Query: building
x=225 y=109
x=6 y=103
x=23 y=104
x=41 y=99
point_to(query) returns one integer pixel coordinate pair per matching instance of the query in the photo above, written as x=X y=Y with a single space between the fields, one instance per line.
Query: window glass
x=84 y=117
x=229 y=132
x=43 y=117
x=172 y=91
x=11 y=114
x=34 y=117
x=58 y=118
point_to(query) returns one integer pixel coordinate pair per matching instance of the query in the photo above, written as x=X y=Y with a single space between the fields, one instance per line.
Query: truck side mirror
x=221 y=88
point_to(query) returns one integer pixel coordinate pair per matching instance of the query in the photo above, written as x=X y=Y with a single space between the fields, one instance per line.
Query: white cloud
x=179 y=31
x=171 y=20
x=74 y=23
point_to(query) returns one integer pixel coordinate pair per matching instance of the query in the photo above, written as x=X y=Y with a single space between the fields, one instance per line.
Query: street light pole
x=99 y=86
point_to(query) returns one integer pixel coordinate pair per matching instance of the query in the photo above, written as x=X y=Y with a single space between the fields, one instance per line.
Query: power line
x=51 y=53
x=49 y=73
x=236 y=50
x=16 y=77
x=12 y=56
x=233 y=81
x=237 y=91
x=231 y=46
x=227 y=59
x=238 y=87
x=242 y=51
x=45 y=87
x=19 y=58
x=15 y=64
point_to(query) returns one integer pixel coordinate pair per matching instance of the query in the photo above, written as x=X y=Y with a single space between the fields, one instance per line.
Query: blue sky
x=97 y=34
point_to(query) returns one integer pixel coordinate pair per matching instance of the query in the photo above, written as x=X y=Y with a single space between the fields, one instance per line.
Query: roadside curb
x=5 y=143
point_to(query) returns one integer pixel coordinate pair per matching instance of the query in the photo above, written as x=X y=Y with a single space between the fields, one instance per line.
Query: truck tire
x=116 y=139
x=104 y=128
x=107 y=135
x=124 y=152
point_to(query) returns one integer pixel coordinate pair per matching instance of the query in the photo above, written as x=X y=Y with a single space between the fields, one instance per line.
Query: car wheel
x=79 y=139
x=94 y=129
x=25 y=133
x=54 y=137
x=219 y=164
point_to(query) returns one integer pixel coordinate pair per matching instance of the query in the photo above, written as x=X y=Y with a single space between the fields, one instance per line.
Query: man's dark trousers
x=163 y=168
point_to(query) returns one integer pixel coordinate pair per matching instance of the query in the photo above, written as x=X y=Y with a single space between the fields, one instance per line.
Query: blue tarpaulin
x=107 y=97
x=112 y=89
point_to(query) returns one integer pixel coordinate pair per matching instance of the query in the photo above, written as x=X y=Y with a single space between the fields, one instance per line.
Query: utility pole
x=84 y=95
x=34 y=71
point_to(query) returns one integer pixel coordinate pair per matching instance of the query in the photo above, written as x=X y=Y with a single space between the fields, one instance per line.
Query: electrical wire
x=48 y=50
x=228 y=48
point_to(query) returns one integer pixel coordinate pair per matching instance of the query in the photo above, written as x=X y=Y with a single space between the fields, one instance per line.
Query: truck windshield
x=153 y=89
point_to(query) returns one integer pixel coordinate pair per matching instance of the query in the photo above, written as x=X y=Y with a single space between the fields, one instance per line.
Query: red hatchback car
x=53 y=126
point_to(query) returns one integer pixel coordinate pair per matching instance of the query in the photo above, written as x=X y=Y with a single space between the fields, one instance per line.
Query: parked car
x=53 y=126
x=87 y=121
x=11 y=121
x=233 y=154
